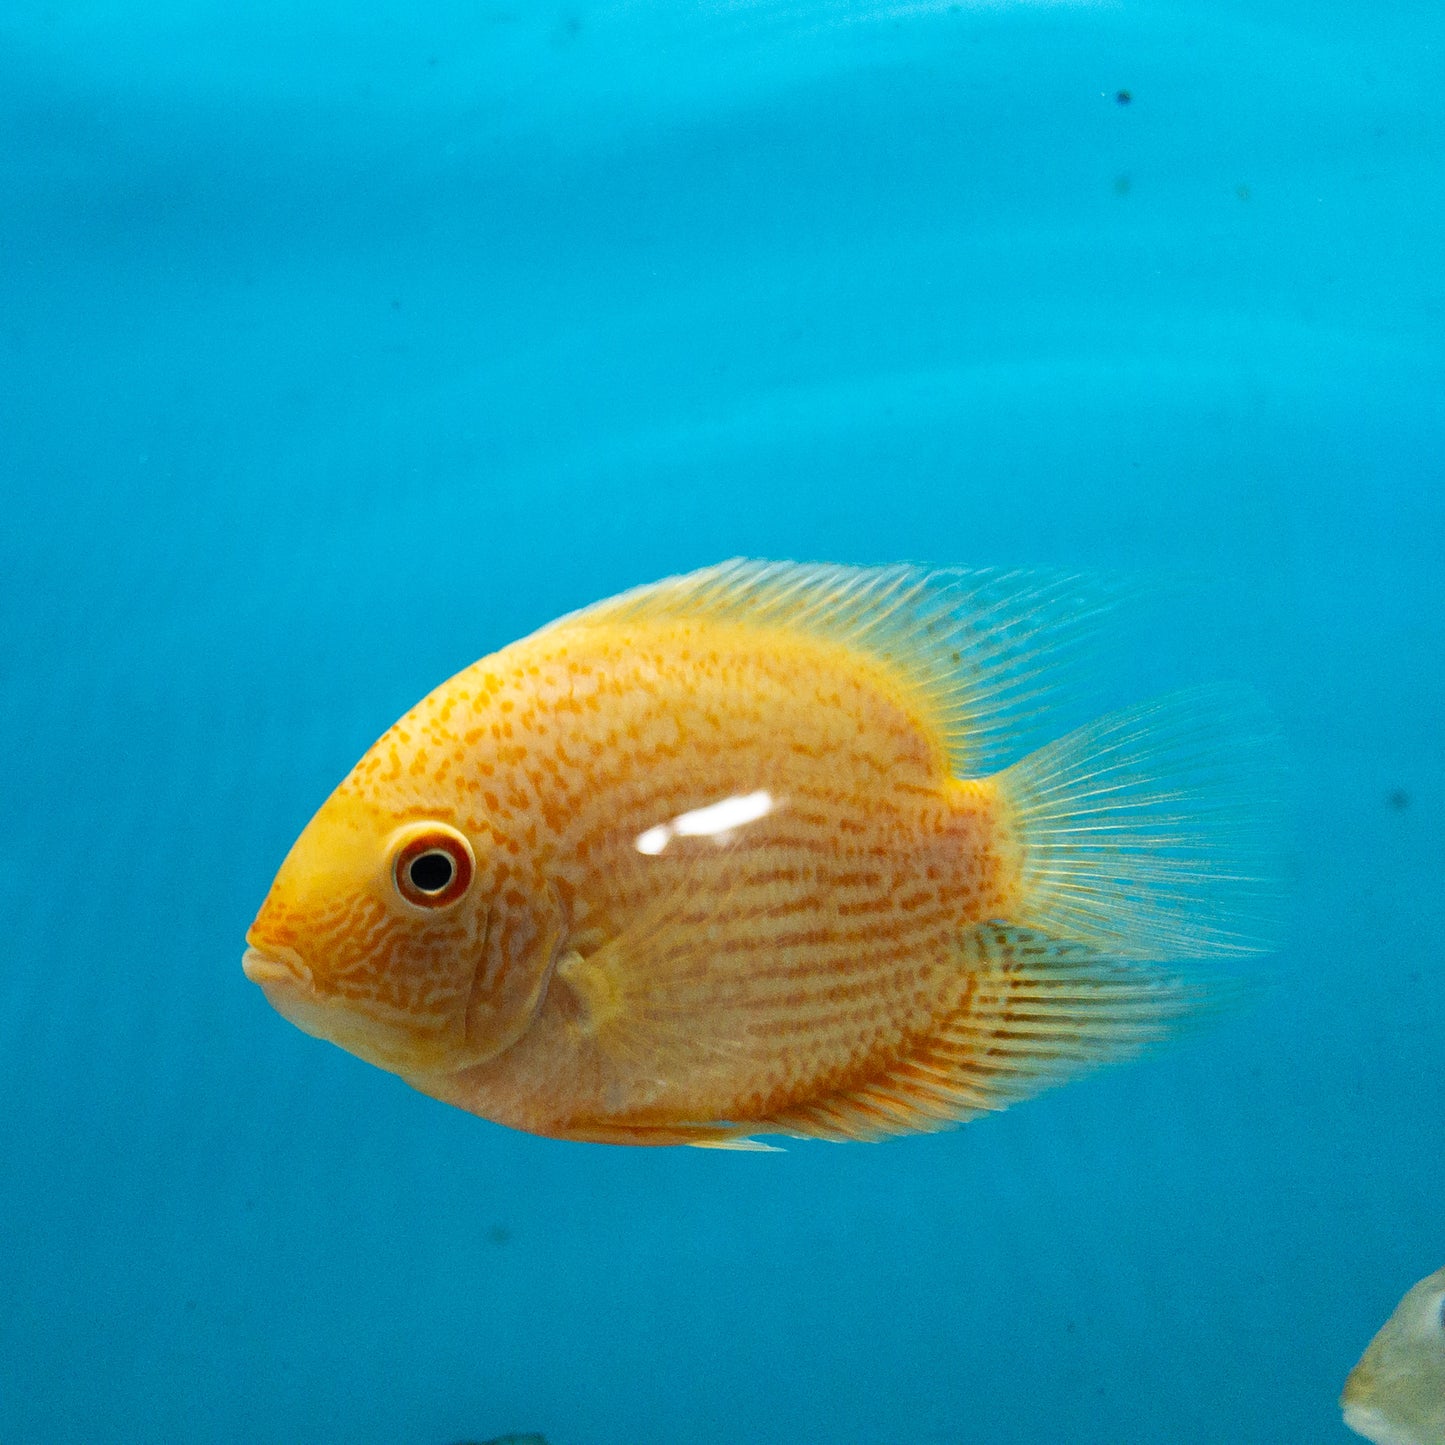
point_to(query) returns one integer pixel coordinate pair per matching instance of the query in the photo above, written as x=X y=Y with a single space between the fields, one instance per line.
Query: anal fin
x=741 y=1146
x=1031 y=1012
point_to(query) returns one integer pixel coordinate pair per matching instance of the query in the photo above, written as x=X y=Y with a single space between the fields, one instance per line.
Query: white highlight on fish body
x=718 y=821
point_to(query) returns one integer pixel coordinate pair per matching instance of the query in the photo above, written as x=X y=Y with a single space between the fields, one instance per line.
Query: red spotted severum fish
x=753 y=851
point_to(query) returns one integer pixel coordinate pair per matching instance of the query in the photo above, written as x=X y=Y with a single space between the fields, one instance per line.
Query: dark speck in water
x=1398 y=799
x=499 y=1234
x=1123 y=97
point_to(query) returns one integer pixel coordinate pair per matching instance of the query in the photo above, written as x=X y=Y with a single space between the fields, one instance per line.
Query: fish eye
x=434 y=867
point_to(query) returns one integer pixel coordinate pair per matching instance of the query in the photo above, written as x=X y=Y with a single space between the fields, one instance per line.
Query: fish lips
x=1372 y=1423
x=282 y=966
x=287 y=983
x=386 y=1042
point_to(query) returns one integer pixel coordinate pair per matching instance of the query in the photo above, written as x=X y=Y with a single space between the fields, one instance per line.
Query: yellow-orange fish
x=737 y=854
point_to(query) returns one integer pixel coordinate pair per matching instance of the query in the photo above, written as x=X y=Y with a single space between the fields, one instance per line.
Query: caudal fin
x=1154 y=832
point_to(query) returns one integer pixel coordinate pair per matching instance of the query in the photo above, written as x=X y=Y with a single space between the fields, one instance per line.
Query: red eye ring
x=433 y=868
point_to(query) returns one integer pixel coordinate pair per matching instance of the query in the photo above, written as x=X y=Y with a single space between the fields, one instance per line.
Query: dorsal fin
x=977 y=650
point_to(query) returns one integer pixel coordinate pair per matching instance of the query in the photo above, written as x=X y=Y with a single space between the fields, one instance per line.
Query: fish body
x=734 y=854
x=1396 y=1394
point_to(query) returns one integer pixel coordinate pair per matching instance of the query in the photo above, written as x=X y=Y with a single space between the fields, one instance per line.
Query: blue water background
x=341 y=344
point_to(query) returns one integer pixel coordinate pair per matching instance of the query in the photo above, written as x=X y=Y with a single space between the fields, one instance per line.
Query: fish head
x=374 y=934
x=1395 y=1395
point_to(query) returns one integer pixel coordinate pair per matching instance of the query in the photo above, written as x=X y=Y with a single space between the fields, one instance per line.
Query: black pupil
x=432 y=871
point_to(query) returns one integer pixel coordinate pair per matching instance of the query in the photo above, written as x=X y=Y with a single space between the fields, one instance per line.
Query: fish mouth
x=1368 y=1421
x=280 y=965
x=351 y=1024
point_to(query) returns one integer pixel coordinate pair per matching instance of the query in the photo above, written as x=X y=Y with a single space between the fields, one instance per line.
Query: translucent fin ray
x=1035 y=1012
x=1154 y=833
